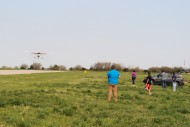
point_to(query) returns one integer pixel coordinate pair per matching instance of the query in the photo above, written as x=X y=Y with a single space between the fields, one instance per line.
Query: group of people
x=163 y=77
x=113 y=75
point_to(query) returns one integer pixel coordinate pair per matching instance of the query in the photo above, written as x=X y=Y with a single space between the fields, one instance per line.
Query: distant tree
x=105 y=66
x=101 y=66
x=154 y=69
x=137 y=69
x=70 y=68
x=92 y=68
x=132 y=68
x=188 y=70
x=84 y=68
x=54 y=67
x=23 y=66
x=31 y=67
x=77 y=68
x=119 y=67
x=125 y=69
x=57 y=67
x=16 y=67
x=36 y=66
x=178 y=69
x=145 y=71
x=166 y=69
x=62 y=67
x=98 y=66
x=4 y=67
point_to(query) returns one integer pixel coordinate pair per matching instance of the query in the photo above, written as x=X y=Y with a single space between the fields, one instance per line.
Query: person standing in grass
x=163 y=76
x=133 y=76
x=113 y=76
x=174 y=82
x=148 y=83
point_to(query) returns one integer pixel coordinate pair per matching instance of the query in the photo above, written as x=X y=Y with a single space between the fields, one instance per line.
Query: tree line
x=99 y=66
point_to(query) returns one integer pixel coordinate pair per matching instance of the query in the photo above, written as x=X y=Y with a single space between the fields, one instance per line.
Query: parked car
x=158 y=80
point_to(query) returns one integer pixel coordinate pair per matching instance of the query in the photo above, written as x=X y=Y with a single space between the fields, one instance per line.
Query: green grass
x=70 y=99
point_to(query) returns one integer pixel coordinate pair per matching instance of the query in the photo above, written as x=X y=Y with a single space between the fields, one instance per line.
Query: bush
x=6 y=68
x=57 y=67
x=125 y=69
x=23 y=66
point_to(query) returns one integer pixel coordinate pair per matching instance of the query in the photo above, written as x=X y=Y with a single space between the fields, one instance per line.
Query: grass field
x=70 y=99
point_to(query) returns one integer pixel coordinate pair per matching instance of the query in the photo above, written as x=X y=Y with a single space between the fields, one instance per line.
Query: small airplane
x=38 y=54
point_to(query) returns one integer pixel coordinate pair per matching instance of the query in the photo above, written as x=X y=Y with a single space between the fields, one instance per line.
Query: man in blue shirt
x=112 y=76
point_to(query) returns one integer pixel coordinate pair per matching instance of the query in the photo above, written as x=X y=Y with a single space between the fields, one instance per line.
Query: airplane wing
x=38 y=53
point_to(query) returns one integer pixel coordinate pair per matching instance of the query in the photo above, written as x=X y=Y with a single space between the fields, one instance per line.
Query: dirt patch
x=14 y=72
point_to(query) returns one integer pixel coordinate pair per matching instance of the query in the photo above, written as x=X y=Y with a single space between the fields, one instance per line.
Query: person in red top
x=148 y=83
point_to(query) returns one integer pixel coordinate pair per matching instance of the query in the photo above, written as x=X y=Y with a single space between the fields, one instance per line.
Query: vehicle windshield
x=157 y=75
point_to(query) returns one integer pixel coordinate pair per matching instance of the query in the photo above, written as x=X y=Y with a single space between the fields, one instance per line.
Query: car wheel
x=178 y=84
x=152 y=82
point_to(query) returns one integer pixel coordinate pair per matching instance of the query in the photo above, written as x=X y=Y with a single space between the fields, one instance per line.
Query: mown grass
x=71 y=99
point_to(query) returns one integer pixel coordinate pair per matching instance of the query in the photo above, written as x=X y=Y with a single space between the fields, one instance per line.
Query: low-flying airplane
x=38 y=54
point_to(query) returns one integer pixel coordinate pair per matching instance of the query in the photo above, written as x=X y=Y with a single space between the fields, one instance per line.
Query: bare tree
x=77 y=67
x=23 y=66
x=36 y=66
x=54 y=67
x=118 y=66
x=98 y=66
x=105 y=66
x=62 y=67
x=57 y=67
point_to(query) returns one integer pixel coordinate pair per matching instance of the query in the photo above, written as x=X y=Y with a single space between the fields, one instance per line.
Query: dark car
x=157 y=79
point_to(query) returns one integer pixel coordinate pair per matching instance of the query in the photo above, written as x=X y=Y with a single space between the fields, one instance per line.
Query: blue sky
x=143 y=33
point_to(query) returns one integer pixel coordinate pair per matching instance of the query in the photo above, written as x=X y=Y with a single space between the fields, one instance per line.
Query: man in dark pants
x=163 y=76
x=133 y=77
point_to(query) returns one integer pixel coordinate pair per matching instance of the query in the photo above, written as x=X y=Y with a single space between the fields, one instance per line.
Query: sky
x=143 y=33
